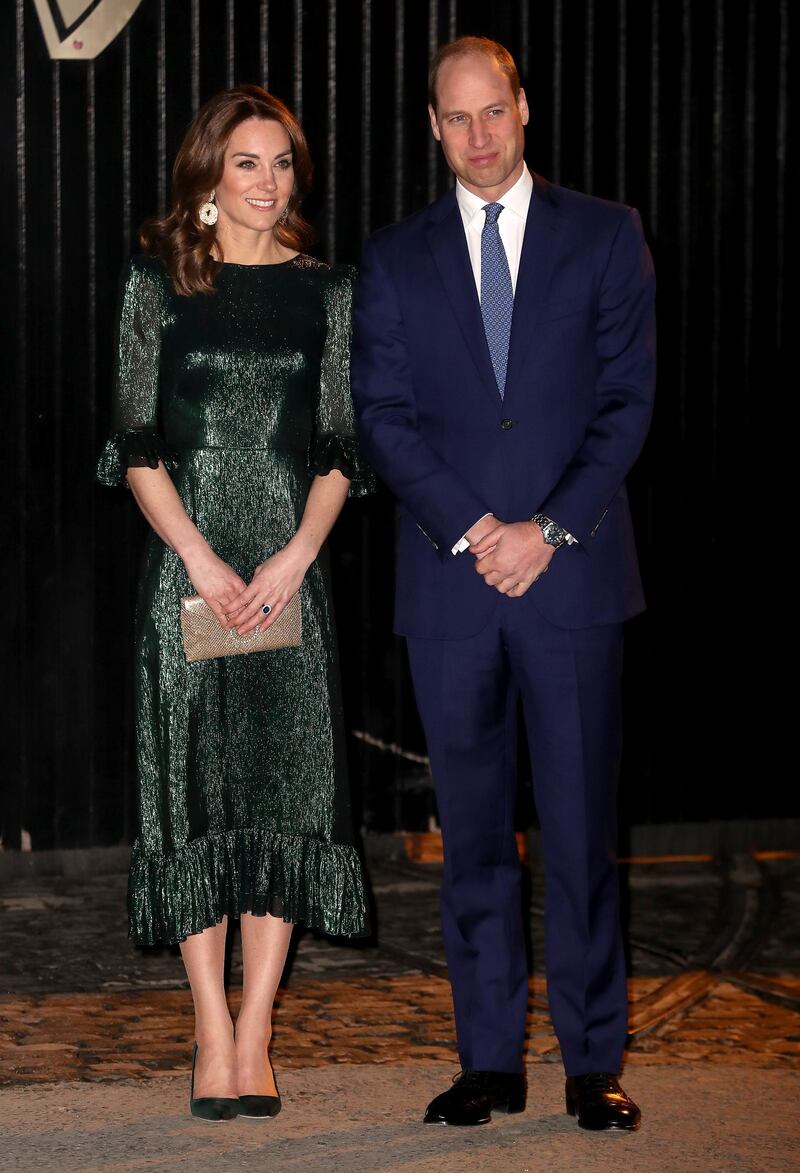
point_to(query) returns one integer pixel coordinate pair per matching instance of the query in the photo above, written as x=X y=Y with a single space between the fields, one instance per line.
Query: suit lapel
x=449 y=247
x=540 y=246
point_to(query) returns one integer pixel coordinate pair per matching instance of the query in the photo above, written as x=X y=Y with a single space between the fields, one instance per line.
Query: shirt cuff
x=462 y=544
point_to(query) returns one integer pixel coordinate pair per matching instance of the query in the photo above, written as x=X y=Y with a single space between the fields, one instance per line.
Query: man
x=503 y=369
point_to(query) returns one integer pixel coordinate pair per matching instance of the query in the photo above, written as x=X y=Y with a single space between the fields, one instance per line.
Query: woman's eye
x=284 y=164
x=248 y=164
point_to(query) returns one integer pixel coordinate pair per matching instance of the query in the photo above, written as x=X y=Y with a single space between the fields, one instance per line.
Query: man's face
x=480 y=124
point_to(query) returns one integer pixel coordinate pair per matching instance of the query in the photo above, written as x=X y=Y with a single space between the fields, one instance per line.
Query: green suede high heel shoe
x=214 y=1108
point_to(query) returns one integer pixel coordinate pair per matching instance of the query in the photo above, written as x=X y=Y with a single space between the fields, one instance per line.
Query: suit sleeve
x=626 y=354
x=441 y=503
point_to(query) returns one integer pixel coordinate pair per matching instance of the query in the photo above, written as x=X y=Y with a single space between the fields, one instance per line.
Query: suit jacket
x=577 y=406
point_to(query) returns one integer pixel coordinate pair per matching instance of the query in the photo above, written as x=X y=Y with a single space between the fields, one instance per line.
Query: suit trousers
x=467 y=692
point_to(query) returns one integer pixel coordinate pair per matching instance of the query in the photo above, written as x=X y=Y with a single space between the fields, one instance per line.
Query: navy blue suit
x=577 y=406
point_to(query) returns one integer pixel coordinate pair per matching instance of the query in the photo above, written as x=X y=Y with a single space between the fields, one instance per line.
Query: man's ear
x=522 y=106
x=434 y=123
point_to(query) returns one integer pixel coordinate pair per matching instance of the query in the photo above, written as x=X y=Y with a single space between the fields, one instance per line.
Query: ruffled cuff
x=331 y=451
x=132 y=448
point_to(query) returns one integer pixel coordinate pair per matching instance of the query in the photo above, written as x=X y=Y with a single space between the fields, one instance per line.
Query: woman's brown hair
x=180 y=238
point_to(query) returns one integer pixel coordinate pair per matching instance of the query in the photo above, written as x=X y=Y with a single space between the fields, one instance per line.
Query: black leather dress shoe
x=599 y=1102
x=473 y=1096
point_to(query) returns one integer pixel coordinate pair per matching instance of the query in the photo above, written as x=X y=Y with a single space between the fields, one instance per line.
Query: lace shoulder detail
x=304 y=261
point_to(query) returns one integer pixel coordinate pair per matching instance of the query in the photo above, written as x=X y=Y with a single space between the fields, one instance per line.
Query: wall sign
x=81 y=29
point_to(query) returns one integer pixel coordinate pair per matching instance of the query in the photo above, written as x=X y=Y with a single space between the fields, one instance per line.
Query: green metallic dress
x=244 y=395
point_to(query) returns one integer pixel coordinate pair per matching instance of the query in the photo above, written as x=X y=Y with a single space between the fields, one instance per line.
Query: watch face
x=552 y=532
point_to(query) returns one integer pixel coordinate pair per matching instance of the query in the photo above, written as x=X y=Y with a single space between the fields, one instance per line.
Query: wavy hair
x=180 y=239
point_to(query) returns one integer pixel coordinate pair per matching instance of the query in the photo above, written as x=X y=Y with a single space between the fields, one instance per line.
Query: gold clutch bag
x=205 y=639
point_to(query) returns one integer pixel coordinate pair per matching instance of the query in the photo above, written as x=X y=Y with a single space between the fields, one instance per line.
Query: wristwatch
x=553 y=534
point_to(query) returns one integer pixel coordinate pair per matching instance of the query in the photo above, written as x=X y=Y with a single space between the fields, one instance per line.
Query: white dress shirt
x=511 y=225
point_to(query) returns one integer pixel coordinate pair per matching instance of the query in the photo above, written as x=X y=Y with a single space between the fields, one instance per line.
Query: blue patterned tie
x=497 y=294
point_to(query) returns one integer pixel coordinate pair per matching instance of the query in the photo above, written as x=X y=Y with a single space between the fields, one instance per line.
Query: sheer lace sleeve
x=334 y=443
x=135 y=439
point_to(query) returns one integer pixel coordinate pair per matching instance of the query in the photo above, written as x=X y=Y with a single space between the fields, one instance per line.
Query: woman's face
x=258 y=176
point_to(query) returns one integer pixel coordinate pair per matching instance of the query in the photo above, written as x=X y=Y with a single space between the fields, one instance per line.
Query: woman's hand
x=275 y=582
x=217 y=583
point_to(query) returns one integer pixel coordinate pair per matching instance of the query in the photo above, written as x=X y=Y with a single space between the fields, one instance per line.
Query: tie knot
x=492 y=212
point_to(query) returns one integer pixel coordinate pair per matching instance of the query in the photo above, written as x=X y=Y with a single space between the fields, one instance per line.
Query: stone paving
x=714 y=956
x=95 y=1035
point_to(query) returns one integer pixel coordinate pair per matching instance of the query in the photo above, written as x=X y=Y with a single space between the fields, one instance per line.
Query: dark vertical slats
x=129 y=556
x=558 y=66
x=22 y=674
x=230 y=42
x=717 y=180
x=655 y=122
x=622 y=95
x=524 y=55
x=298 y=59
x=684 y=207
x=127 y=161
x=781 y=129
x=749 y=182
x=161 y=97
x=91 y=392
x=194 y=53
x=399 y=118
x=57 y=410
x=588 y=100
x=433 y=146
x=366 y=119
x=330 y=151
x=263 y=42
x=399 y=209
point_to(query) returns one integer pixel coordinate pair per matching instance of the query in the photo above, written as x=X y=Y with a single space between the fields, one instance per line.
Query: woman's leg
x=204 y=957
x=265 y=943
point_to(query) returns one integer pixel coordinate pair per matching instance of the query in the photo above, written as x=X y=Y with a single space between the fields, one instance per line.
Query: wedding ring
x=265 y=610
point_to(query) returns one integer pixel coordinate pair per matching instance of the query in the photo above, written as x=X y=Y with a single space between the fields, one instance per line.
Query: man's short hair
x=470 y=46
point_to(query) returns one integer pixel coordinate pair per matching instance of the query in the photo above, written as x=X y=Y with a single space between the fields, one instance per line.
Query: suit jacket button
x=506 y=425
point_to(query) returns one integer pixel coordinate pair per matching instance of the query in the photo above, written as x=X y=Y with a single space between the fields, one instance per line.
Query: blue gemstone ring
x=265 y=610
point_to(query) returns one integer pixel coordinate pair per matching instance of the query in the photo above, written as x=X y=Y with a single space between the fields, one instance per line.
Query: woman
x=234 y=430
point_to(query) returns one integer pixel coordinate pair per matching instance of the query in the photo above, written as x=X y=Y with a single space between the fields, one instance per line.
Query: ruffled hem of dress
x=133 y=447
x=248 y=870
x=343 y=453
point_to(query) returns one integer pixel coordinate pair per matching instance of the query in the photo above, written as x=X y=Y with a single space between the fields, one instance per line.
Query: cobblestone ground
x=714 y=957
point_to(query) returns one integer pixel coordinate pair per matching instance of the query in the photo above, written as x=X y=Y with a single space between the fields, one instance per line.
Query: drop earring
x=208 y=212
x=283 y=216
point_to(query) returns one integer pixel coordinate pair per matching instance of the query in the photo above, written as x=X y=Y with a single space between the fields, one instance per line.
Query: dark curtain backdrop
x=680 y=108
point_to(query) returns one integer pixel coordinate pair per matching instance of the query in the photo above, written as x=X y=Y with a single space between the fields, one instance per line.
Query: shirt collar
x=517 y=199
